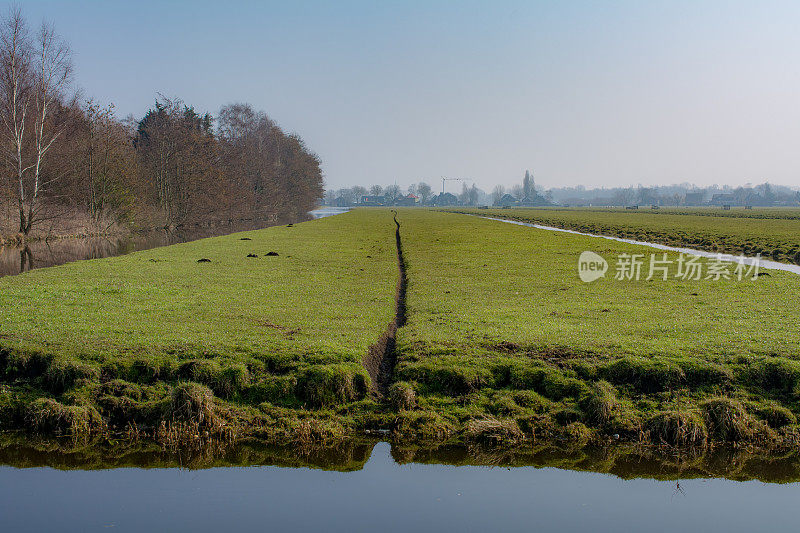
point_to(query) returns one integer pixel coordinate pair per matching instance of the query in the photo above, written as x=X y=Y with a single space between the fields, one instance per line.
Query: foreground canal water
x=384 y=496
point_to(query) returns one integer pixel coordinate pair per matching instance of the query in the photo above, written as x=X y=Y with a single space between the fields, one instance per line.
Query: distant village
x=524 y=194
x=527 y=194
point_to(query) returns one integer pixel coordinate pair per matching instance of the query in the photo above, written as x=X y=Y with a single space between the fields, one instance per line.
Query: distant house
x=534 y=200
x=444 y=199
x=407 y=200
x=694 y=198
x=373 y=200
x=507 y=200
x=341 y=201
x=721 y=199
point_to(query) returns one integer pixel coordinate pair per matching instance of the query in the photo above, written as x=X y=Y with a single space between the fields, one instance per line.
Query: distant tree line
x=524 y=193
x=64 y=157
x=527 y=194
x=685 y=194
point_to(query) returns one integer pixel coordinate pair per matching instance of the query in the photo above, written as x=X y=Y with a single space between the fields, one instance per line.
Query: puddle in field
x=377 y=487
x=763 y=263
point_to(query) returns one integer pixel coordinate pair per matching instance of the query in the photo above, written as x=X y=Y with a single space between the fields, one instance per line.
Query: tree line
x=68 y=158
x=470 y=195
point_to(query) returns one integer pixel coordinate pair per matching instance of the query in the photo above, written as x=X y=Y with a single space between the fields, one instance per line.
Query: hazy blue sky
x=591 y=93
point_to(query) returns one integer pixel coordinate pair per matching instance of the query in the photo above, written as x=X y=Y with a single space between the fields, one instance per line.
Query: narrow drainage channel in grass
x=381 y=357
x=729 y=258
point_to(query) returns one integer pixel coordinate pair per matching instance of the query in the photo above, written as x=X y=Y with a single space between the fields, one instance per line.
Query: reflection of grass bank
x=773 y=233
x=161 y=344
x=22 y=451
x=625 y=461
x=505 y=342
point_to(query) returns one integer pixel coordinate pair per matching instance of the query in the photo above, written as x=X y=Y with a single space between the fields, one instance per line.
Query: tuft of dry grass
x=494 y=431
x=47 y=416
x=402 y=396
x=728 y=420
x=677 y=428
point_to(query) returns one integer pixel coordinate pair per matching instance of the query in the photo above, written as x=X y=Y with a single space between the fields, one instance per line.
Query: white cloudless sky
x=590 y=93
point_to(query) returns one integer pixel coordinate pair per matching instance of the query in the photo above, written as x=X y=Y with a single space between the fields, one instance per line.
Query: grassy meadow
x=501 y=343
x=503 y=339
x=772 y=232
x=157 y=336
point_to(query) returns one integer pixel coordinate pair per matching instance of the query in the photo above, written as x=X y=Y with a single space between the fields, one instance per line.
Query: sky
x=580 y=92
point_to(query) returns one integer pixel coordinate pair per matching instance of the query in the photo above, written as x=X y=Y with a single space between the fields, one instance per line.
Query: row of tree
x=64 y=157
x=523 y=193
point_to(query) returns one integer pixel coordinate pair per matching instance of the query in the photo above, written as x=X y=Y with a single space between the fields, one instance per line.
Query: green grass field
x=772 y=232
x=125 y=339
x=502 y=329
x=503 y=342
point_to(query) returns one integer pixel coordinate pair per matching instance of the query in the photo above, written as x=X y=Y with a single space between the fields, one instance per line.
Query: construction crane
x=451 y=179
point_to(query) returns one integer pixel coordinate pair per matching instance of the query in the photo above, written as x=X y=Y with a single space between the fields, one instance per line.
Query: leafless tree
x=15 y=76
x=497 y=194
x=53 y=64
x=424 y=192
x=33 y=77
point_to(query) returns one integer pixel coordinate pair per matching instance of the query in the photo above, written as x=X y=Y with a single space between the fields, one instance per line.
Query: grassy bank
x=202 y=338
x=774 y=233
x=505 y=342
x=269 y=334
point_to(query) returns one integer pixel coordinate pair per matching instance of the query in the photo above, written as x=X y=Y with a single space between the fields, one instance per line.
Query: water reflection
x=39 y=254
x=420 y=492
x=623 y=461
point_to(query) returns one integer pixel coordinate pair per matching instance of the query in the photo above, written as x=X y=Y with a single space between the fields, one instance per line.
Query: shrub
x=62 y=375
x=224 y=379
x=728 y=421
x=646 y=375
x=777 y=374
x=531 y=400
x=193 y=402
x=48 y=416
x=704 y=373
x=447 y=376
x=321 y=385
x=402 y=396
x=600 y=403
x=678 y=428
x=548 y=381
x=493 y=431
x=422 y=425
x=776 y=416
x=273 y=389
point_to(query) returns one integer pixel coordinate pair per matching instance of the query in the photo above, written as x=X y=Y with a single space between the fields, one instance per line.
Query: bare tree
x=53 y=60
x=497 y=194
x=472 y=195
x=392 y=192
x=15 y=76
x=33 y=78
x=424 y=192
